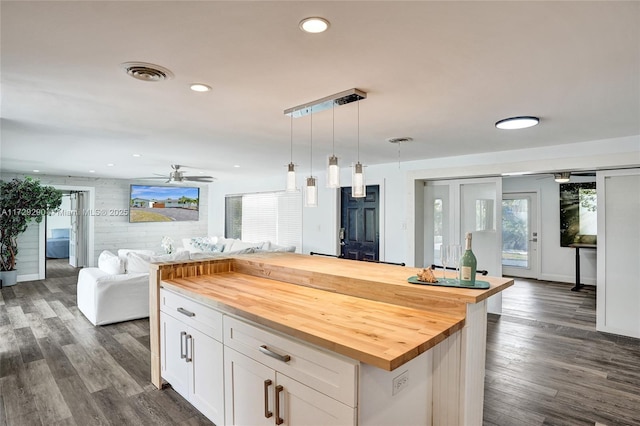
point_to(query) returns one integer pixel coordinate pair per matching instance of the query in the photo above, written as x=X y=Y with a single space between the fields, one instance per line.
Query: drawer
x=192 y=313
x=326 y=372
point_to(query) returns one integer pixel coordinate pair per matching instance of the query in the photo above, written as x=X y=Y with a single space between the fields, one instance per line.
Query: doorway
x=360 y=224
x=79 y=222
x=520 y=234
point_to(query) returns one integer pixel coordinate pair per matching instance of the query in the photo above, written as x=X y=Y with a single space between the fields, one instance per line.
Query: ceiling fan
x=176 y=176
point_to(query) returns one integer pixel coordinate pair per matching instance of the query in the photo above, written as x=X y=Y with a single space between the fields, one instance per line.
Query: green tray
x=450 y=282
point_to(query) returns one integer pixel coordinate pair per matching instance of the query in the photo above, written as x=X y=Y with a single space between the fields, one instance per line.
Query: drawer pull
x=279 y=420
x=183 y=311
x=183 y=354
x=267 y=413
x=266 y=351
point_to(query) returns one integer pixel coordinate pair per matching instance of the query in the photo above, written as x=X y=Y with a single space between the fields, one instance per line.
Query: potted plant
x=22 y=201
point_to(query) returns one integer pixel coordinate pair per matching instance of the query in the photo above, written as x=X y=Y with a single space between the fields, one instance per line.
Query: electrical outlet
x=400 y=382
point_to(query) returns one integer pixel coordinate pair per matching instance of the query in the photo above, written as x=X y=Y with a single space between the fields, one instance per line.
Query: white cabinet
x=258 y=377
x=191 y=358
x=257 y=395
x=264 y=376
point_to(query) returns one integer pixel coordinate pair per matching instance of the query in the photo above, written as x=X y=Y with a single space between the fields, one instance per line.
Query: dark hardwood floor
x=56 y=368
x=546 y=364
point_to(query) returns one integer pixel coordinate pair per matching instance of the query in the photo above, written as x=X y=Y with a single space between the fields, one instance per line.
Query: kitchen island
x=406 y=351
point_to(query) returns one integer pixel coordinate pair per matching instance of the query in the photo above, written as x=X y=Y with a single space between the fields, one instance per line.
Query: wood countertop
x=380 y=334
x=376 y=281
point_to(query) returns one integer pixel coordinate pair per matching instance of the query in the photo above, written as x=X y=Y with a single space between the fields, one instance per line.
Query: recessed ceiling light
x=199 y=87
x=92 y=171
x=314 y=25
x=515 y=123
x=110 y=165
x=36 y=171
x=136 y=155
x=237 y=166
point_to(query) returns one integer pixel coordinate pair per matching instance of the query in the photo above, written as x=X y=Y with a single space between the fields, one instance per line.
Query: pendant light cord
x=311 y=144
x=333 y=129
x=358 y=131
x=291 y=138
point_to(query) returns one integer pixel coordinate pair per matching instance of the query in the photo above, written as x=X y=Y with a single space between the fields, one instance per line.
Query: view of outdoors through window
x=515 y=232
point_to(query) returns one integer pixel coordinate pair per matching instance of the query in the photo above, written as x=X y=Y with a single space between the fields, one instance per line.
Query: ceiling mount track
x=342 y=98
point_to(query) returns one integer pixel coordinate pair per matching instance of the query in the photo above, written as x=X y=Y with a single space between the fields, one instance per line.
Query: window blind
x=266 y=216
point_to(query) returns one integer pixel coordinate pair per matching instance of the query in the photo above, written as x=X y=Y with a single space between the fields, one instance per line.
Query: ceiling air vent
x=147 y=72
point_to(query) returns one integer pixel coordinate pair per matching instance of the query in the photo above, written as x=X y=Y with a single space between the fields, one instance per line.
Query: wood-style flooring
x=546 y=364
x=56 y=368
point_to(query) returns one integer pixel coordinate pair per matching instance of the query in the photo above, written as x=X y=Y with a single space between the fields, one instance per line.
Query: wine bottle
x=468 y=264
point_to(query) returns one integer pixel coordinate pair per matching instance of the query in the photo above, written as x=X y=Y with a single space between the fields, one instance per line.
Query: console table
x=578 y=246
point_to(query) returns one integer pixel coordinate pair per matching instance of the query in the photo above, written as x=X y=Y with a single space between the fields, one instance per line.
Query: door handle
x=189 y=340
x=267 y=413
x=183 y=311
x=279 y=420
x=183 y=354
x=267 y=351
x=534 y=240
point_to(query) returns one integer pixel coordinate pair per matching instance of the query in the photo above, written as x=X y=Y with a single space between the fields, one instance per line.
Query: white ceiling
x=440 y=72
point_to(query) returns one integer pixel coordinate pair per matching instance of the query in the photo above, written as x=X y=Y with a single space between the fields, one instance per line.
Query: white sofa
x=118 y=289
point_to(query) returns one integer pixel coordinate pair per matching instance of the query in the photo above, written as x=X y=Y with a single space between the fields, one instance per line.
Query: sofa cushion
x=110 y=263
x=139 y=262
x=236 y=245
x=277 y=248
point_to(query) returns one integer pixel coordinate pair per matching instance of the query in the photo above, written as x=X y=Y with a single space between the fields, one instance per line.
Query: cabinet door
x=172 y=348
x=206 y=385
x=249 y=389
x=300 y=405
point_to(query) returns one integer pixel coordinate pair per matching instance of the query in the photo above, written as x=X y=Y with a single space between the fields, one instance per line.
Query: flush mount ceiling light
x=199 y=87
x=515 y=123
x=147 y=72
x=562 y=177
x=314 y=25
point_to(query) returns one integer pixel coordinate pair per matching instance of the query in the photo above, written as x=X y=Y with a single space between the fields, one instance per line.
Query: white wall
x=320 y=223
x=60 y=220
x=556 y=263
x=111 y=232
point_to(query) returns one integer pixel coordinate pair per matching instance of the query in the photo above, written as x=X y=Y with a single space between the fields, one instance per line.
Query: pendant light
x=333 y=170
x=311 y=190
x=291 y=172
x=358 y=186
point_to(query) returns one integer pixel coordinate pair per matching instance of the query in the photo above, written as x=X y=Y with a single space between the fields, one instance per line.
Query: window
x=266 y=216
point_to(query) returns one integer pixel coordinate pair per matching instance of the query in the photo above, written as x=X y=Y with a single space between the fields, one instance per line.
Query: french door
x=520 y=235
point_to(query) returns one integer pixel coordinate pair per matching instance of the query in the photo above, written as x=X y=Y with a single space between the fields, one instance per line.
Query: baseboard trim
x=28 y=277
x=567 y=279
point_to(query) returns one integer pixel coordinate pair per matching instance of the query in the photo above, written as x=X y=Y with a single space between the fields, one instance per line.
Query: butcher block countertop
x=362 y=310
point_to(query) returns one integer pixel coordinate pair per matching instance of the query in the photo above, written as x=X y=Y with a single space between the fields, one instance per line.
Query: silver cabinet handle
x=183 y=311
x=267 y=413
x=279 y=420
x=266 y=351
x=183 y=354
x=189 y=340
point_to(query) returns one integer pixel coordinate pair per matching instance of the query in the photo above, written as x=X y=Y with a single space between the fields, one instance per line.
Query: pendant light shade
x=333 y=173
x=311 y=193
x=291 y=178
x=358 y=186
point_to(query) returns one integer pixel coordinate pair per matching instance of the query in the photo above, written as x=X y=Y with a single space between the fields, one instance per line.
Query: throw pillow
x=110 y=263
x=138 y=263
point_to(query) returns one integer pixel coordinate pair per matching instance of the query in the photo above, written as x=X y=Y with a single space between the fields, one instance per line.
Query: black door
x=360 y=222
